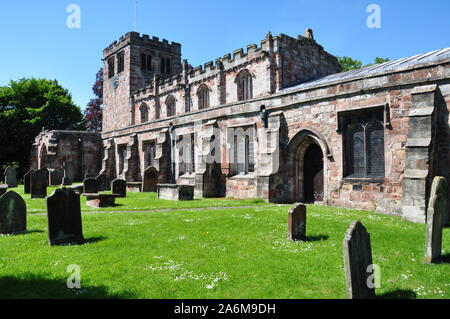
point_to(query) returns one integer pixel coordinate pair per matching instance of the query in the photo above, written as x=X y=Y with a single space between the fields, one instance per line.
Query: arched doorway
x=306 y=166
x=313 y=174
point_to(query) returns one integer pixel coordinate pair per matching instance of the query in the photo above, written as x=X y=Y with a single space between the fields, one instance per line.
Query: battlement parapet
x=135 y=37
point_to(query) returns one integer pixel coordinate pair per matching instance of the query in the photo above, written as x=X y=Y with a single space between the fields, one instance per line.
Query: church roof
x=379 y=69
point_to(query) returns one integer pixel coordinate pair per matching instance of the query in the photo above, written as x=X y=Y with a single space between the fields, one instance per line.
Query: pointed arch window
x=170 y=106
x=143 y=109
x=364 y=144
x=244 y=85
x=203 y=97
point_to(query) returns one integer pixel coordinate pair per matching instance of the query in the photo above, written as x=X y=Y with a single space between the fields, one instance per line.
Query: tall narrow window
x=144 y=112
x=157 y=111
x=244 y=85
x=203 y=97
x=243 y=159
x=122 y=151
x=149 y=149
x=163 y=65
x=110 y=67
x=168 y=66
x=186 y=154
x=120 y=62
x=364 y=144
x=170 y=106
x=143 y=61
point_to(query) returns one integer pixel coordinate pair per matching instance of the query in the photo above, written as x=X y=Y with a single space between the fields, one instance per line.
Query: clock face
x=115 y=82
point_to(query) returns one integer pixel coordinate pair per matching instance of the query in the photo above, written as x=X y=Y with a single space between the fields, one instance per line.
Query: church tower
x=131 y=64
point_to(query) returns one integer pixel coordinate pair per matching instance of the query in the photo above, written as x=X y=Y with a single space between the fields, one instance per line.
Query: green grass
x=140 y=202
x=224 y=253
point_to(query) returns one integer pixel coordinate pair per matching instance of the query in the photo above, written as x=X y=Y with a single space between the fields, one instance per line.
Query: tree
x=348 y=63
x=93 y=112
x=28 y=105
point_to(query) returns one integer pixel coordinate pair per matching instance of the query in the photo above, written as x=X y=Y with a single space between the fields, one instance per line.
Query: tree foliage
x=28 y=105
x=93 y=112
x=348 y=63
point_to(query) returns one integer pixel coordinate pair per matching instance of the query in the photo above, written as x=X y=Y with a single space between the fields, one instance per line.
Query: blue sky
x=36 y=41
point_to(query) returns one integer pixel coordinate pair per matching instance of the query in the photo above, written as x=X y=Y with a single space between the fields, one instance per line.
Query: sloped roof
x=390 y=66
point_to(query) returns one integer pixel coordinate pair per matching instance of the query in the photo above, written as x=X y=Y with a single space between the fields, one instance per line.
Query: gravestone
x=119 y=186
x=150 y=179
x=55 y=177
x=64 y=218
x=297 y=222
x=3 y=189
x=11 y=176
x=69 y=172
x=103 y=182
x=13 y=213
x=436 y=219
x=39 y=183
x=27 y=181
x=357 y=259
x=90 y=186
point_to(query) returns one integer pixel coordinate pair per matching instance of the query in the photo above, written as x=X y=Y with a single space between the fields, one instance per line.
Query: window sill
x=187 y=176
x=363 y=180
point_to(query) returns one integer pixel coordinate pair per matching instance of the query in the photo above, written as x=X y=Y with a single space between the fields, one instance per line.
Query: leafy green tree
x=28 y=105
x=378 y=60
x=348 y=63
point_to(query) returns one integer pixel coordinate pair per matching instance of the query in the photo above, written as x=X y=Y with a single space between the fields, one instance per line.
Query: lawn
x=139 y=202
x=222 y=253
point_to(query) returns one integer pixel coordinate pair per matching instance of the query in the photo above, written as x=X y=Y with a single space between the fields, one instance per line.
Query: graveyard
x=145 y=247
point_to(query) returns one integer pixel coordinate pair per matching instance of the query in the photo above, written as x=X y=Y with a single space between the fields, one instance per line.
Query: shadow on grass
x=445 y=259
x=31 y=286
x=398 y=294
x=316 y=238
x=92 y=240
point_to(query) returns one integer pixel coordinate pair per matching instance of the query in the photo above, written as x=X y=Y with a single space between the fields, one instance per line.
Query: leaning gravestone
x=64 y=218
x=27 y=181
x=13 y=213
x=11 y=177
x=103 y=182
x=90 y=186
x=297 y=222
x=436 y=219
x=119 y=186
x=357 y=259
x=39 y=183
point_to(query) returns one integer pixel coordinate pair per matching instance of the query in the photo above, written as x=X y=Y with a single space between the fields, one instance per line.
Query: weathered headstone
x=436 y=219
x=150 y=180
x=68 y=174
x=64 y=218
x=103 y=182
x=90 y=186
x=27 y=181
x=55 y=176
x=11 y=176
x=13 y=213
x=357 y=259
x=3 y=189
x=39 y=183
x=119 y=186
x=297 y=222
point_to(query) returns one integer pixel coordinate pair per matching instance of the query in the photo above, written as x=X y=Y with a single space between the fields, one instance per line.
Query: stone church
x=278 y=121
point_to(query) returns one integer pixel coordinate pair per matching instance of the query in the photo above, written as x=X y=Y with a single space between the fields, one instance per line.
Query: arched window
x=170 y=106
x=364 y=145
x=144 y=112
x=203 y=97
x=244 y=85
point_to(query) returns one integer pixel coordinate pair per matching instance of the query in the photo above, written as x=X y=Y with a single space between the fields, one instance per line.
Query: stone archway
x=150 y=180
x=307 y=164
